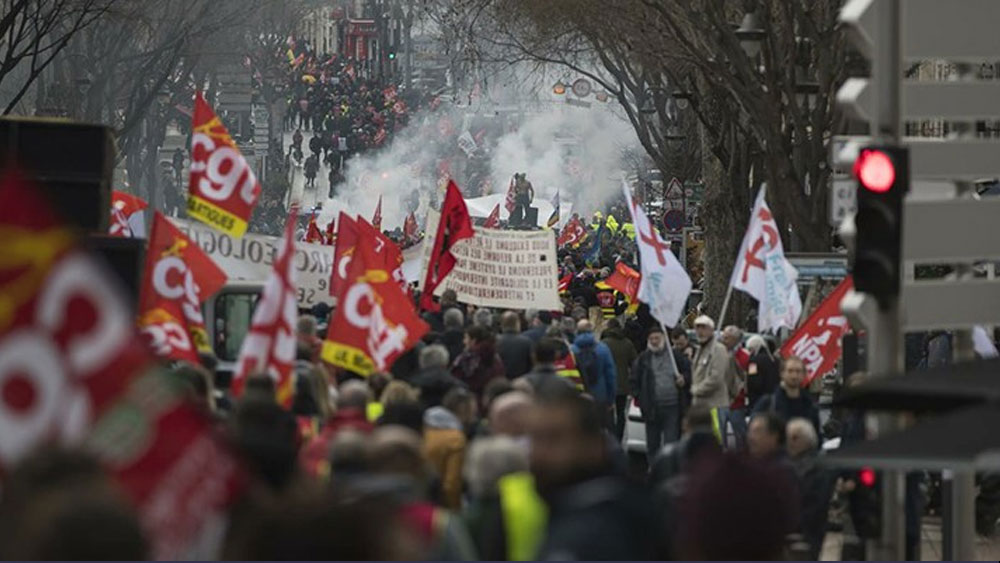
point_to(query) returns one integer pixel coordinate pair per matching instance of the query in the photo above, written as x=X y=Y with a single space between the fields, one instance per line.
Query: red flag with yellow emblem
x=179 y=276
x=223 y=189
x=375 y=322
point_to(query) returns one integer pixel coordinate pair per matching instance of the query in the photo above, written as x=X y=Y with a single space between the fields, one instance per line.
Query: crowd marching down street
x=594 y=416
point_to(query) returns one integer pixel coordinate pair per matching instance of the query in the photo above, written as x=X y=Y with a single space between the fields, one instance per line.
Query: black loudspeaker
x=531 y=217
x=72 y=162
x=125 y=258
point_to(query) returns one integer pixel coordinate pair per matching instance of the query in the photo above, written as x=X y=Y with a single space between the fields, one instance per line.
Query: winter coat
x=643 y=380
x=477 y=366
x=604 y=390
x=515 y=351
x=788 y=408
x=708 y=381
x=762 y=376
x=433 y=384
x=444 y=449
x=624 y=354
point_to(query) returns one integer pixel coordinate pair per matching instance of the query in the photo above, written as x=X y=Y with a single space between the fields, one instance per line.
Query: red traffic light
x=875 y=170
x=867 y=477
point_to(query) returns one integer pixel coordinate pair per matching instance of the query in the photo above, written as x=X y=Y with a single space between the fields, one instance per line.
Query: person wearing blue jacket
x=597 y=369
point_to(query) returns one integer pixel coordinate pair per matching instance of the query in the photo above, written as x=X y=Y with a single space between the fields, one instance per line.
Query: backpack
x=586 y=364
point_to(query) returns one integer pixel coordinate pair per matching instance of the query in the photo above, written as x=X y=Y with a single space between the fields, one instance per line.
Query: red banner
x=269 y=347
x=313 y=234
x=73 y=370
x=817 y=341
x=123 y=207
x=573 y=233
x=179 y=276
x=625 y=280
x=509 y=199
x=223 y=190
x=347 y=239
x=374 y=322
x=493 y=221
x=455 y=225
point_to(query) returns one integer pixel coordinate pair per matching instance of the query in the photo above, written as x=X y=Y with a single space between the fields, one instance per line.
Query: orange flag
x=179 y=276
x=223 y=189
x=625 y=280
x=374 y=322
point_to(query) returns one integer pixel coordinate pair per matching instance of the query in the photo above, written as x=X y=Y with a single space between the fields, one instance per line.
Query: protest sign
x=251 y=258
x=504 y=269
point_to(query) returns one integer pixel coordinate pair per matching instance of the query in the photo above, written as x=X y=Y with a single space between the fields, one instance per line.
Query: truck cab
x=228 y=314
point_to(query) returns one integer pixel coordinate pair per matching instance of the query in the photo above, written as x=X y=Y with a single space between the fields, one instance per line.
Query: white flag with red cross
x=765 y=274
x=665 y=285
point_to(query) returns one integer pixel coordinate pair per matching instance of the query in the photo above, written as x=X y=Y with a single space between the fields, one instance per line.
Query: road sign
x=843 y=200
x=675 y=190
x=674 y=220
x=581 y=87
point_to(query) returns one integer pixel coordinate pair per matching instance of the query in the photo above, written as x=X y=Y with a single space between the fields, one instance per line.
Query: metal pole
x=725 y=306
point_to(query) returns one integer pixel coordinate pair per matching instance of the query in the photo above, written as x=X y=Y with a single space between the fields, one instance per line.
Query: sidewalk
x=930 y=548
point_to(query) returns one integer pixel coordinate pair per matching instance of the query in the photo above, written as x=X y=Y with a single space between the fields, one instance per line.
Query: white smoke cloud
x=575 y=150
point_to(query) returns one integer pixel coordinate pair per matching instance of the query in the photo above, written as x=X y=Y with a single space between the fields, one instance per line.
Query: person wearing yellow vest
x=629 y=230
x=612 y=223
x=505 y=516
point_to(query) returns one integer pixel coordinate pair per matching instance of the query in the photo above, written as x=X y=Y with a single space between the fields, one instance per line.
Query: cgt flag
x=626 y=280
x=179 y=276
x=455 y=225
x=375 y=322
x=75 y=372
x=126 y=219
x=223 y=189
x=764 y=273
x=347 y=240
x=818 y=341
x=572 y=234
x=664 y=284
x=493 y=221
x=269 y=347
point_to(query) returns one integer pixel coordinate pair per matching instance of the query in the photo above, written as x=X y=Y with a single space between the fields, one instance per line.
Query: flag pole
x=670 y=349
x=725 y=306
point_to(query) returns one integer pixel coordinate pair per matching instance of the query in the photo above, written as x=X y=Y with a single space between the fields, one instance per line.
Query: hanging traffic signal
x=883 y=180
x=392 y=53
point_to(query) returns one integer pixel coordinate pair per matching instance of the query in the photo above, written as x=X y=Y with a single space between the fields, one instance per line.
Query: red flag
x=509 y=202
x=313 y=234
x=493 y=221
x=564 y=282
x=377 y=216
x=223 y=189
x=374 y=322
x=178 y=277
x=455 y=225
x=347 y=239
x=380 y=136
x=818 y=340
x=123 y=209
x=572 y=233
x=410 y=227
x=73 y=369
x=389 y=255
x=625 y=280
x=270 y=344
x=330 y=236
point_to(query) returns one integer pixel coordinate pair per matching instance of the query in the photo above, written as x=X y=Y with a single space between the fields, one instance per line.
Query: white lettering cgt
x=383 y=340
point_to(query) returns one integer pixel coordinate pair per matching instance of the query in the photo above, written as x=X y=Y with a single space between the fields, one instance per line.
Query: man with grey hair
x=815 y=482
x=453 y=336
x=489 y=459
x=434 y=380
x=736 y=413
x=483 y=317
x=354 y=394
x=514 y=349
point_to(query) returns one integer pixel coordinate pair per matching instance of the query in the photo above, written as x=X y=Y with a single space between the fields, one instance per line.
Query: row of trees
x=132 y=64
x=744 y=87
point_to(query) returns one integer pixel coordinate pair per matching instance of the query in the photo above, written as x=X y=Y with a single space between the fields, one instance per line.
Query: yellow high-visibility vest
x=525 y=516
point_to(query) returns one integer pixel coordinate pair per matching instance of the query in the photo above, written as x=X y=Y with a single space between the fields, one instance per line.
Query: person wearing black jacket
x=658 y=384
x=762 y=371
x=434 y=380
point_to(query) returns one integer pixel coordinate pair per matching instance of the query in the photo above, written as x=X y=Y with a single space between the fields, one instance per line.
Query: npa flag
x=763 y=272
x=818 y=341
x=313 y=234
x=374 y=322
x=179 y=276
x=410 y=227
x=75 y=372
x=455 y=225
x=126 y=219
x=572 y=234
x=377 y=216
x=664 y=285
x=269 y=347
x=223 y=190
x=347 y=239
x=625 y=280
x=493 y=221
x=554 y=218
x=509 y=201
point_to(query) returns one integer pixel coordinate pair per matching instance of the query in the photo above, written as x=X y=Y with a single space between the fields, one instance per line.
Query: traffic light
x=392 y=53
x=883 y=179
